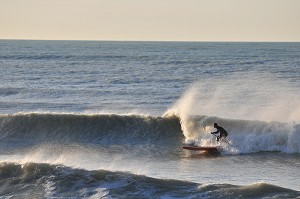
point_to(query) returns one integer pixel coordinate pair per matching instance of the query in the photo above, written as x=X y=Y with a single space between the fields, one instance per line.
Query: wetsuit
x=222 y=131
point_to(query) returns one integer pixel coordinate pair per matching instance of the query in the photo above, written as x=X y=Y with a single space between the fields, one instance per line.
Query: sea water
x=95 y=119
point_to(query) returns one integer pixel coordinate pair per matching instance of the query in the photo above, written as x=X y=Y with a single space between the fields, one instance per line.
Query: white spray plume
x=241 y=96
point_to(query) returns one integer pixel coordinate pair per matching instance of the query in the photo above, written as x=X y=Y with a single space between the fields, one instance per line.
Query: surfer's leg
x=220 y=137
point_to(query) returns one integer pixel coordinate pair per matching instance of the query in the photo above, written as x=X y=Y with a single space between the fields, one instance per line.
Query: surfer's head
x=215 y=124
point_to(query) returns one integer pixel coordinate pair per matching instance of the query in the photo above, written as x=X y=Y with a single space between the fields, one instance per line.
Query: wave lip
x=44 y=180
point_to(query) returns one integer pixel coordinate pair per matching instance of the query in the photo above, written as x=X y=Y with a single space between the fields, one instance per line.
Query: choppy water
x=108 y=119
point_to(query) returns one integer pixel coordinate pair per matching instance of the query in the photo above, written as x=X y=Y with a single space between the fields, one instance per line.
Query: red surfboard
x=202 y=148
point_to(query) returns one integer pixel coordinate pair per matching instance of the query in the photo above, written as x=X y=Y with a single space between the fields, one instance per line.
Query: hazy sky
x=170 y=20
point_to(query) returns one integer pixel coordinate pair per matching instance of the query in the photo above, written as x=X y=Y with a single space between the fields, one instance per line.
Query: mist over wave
x=247 y=96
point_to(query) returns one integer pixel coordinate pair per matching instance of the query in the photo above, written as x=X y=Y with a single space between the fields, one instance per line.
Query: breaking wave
x=33 y=180
x=19 y=131
x=245 y=136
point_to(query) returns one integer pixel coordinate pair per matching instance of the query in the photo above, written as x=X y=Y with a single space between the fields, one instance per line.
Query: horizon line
x=195 y=41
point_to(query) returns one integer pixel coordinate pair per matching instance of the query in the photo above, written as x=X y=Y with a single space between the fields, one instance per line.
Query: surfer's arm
x=215 y=132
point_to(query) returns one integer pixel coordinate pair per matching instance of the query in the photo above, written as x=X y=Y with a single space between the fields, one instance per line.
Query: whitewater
x=91 y=119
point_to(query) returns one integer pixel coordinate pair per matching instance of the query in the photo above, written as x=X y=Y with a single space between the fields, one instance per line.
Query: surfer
x=221 y=130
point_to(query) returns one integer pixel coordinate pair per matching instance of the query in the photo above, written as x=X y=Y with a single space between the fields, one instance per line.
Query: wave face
x=32 y=180
x=27 y=130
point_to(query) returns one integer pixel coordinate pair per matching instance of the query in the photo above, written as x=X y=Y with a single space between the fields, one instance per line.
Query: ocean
x=104 y=119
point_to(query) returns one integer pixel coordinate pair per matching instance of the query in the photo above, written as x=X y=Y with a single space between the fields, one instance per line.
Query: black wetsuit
x=222 y=131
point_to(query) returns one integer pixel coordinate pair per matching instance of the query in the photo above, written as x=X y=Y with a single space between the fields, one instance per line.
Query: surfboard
x=201 y=148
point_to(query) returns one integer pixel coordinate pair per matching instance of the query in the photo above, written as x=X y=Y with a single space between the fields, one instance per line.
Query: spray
x=260 y=112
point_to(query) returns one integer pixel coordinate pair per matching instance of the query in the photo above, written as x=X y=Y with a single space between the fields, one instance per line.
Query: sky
x=151 y=20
